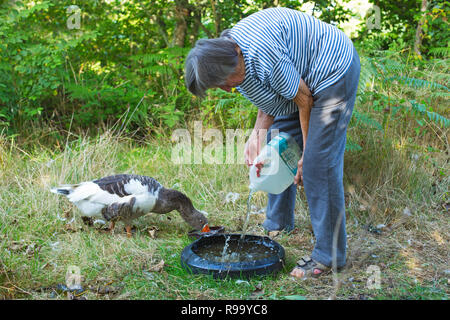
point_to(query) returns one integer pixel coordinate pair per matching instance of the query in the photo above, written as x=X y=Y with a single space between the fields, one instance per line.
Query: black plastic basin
x=271 y=259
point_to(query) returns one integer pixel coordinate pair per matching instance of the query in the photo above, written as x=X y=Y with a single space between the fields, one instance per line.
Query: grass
x=42 y=235
x=397 y=209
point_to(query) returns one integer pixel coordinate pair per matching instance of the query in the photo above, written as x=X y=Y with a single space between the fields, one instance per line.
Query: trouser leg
x=323 y=165
x=280 y=207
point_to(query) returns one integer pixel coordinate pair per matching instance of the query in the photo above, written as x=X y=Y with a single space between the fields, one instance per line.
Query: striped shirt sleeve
x=284 y=78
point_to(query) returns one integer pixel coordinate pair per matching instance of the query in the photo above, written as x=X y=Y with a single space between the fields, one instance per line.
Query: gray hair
x=209 y=64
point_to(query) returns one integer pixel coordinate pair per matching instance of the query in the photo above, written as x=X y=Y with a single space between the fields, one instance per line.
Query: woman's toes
x=298 y=273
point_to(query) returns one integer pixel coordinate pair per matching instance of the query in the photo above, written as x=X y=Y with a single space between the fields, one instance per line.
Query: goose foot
x=111 y=227
x=129 y=234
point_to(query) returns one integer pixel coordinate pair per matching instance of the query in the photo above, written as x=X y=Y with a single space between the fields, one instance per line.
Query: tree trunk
x=197 y=21
x=419 y=37
x=162 y=28
x=217 y=17
x=181 y=14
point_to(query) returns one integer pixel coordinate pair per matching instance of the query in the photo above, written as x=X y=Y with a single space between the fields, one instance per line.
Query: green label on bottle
x=288 y=150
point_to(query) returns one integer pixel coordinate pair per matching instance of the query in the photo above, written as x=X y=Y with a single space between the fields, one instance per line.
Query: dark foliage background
x=124 y=60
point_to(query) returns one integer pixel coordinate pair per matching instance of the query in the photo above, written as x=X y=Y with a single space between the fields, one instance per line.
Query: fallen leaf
x=31 y=249
x=72 y=296
x=231 y=197
x=48 y=264
x=152 y=232
x=106 y=290
x=17 y=245
x=407 y=212
x=99 y=223
x=71 y=228
x=258 y=292
x=273 y=234
x=157 y=267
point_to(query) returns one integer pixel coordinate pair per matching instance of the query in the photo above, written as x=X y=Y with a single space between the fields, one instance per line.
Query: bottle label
x=288 y=150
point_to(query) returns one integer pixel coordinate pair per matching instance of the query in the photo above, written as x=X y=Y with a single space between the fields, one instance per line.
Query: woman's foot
x=307 y=267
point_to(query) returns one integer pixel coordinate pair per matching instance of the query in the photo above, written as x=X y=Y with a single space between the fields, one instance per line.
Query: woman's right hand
x=253 y=145
x=252 y=149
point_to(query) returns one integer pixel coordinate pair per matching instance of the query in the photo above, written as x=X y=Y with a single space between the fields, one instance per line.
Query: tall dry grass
x=42 y=234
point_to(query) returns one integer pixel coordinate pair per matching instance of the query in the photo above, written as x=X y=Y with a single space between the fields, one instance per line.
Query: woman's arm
x=252 y=148
x=304 y=101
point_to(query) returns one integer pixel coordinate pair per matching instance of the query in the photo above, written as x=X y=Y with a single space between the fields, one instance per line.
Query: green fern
x=416 y=83
x=440 y=94
x=159 y=62
x=352 y=146
x=148 y=58
x=80 y=92
x=367 y=75
x=164 y=55
x=392 y=66
x=365 y=120
x=418 y=108
x=440 y=52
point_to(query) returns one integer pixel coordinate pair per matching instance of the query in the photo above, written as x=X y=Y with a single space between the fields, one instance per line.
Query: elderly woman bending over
x=302 y=75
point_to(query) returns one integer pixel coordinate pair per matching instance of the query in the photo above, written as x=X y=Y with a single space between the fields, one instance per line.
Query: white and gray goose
x=128 y=196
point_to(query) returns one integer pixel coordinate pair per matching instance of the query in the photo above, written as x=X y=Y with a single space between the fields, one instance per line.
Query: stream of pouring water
x=225 y=247
x=244 y=230
x=247 y=218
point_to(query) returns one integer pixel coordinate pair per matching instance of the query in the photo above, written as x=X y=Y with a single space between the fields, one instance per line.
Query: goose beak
x=206 y=228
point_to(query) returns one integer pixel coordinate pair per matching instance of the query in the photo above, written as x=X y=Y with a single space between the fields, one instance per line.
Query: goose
x=128 y=196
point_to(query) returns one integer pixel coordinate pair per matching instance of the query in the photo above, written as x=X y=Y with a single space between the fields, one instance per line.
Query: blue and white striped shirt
x=281 y=46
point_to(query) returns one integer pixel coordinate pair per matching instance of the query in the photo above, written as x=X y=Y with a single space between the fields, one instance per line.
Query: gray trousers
x=323 y=167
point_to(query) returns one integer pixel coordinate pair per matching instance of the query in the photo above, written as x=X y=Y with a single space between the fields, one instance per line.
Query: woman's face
x=233 y=81
x=238 y=76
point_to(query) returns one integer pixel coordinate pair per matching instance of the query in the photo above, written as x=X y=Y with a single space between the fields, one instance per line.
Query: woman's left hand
x=298 y=180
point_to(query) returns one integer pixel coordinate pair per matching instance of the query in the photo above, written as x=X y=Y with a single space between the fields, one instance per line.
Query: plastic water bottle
x=280 y=161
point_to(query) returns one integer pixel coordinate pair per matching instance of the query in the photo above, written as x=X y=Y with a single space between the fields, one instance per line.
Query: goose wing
x=128 y=184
